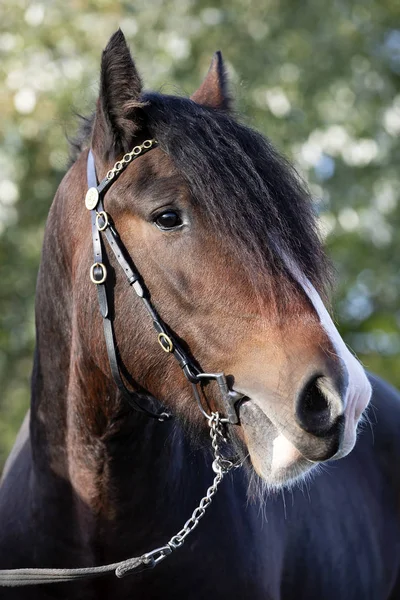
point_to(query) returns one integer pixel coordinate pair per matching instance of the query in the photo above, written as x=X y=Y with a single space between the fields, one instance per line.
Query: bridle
x=102 y=225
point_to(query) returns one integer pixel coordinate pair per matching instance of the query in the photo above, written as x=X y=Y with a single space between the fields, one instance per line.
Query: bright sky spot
x=178 y=47
x=360 y=153
x=8 y=41
x=348 y=219
x=277 y=101
x=129 y=26
x=8 y=192
x=211 y=16
x=34 y=14
x=25 y=101
x=391 y=120
x=311 y=153
x=326 y=224
x=386 y=194
x=335 y=139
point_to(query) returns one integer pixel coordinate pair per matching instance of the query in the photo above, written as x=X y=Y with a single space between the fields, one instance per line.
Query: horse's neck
x=112 y=480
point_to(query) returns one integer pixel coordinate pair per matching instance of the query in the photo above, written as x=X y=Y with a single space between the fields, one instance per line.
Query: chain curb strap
x=221 y=466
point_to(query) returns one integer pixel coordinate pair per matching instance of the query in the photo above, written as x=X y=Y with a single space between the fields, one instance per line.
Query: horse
x=210 y=376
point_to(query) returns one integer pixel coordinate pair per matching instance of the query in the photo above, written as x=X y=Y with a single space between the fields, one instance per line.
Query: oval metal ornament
x=91 y=198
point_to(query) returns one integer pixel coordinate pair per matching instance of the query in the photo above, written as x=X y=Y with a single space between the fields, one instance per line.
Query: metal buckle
x=103 y=276
x=147 y=561
x=162 y=337
x=104 y=216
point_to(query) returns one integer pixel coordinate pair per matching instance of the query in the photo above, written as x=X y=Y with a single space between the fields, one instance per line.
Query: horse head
x=222 y=231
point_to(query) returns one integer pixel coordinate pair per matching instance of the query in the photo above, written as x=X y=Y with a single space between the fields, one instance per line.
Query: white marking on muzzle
x=358 y=393
x=284 y=453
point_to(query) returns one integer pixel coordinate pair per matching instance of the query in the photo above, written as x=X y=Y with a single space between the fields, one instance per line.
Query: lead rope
x=220 y=466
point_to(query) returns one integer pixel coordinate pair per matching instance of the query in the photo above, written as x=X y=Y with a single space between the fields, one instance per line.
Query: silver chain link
x=221 y=466
x=128 y=157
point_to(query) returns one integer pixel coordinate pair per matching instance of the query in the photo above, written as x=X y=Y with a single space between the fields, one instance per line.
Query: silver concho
x=91 y=198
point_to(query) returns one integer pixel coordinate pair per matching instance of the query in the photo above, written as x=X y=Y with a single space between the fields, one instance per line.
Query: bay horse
x=216 y=236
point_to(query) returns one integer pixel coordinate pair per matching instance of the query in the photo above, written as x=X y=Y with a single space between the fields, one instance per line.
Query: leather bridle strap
x=102 y=224
x=99 y=276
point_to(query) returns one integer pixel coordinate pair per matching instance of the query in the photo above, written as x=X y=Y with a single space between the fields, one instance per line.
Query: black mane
x=253 y=198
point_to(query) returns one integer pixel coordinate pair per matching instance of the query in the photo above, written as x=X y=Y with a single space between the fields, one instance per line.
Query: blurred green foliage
x=321 y=79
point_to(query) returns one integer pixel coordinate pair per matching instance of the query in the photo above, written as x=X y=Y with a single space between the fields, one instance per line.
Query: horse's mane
x=252 y=197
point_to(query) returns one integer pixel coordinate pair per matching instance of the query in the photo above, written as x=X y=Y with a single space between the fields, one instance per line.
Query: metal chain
x=128 y=157
x=220 y=466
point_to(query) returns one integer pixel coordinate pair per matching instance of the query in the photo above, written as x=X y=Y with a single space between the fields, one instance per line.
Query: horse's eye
x=169 y=219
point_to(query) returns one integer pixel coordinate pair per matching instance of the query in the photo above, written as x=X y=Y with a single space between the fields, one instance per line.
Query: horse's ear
x=214 y=89
x=117 y=117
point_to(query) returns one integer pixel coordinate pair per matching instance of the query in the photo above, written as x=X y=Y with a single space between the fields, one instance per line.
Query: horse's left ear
x=213 y=91
x=118 y=114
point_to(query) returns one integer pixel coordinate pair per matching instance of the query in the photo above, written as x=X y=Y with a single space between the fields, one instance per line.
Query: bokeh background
x=321 y=79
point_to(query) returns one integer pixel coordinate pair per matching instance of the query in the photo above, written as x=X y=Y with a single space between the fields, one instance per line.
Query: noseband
x=102 y=225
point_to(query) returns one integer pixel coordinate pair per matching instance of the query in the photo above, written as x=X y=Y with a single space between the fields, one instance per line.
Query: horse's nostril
x=313 y=411
x=314 y=401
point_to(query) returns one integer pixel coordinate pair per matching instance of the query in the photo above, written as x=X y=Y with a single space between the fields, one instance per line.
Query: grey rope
x=20 y=577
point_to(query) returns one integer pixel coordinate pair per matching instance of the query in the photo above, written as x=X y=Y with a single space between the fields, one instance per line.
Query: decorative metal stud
x=91 y=198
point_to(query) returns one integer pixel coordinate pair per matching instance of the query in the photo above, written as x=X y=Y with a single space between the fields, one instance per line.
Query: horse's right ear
x=213 y=91
x=117 y=117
